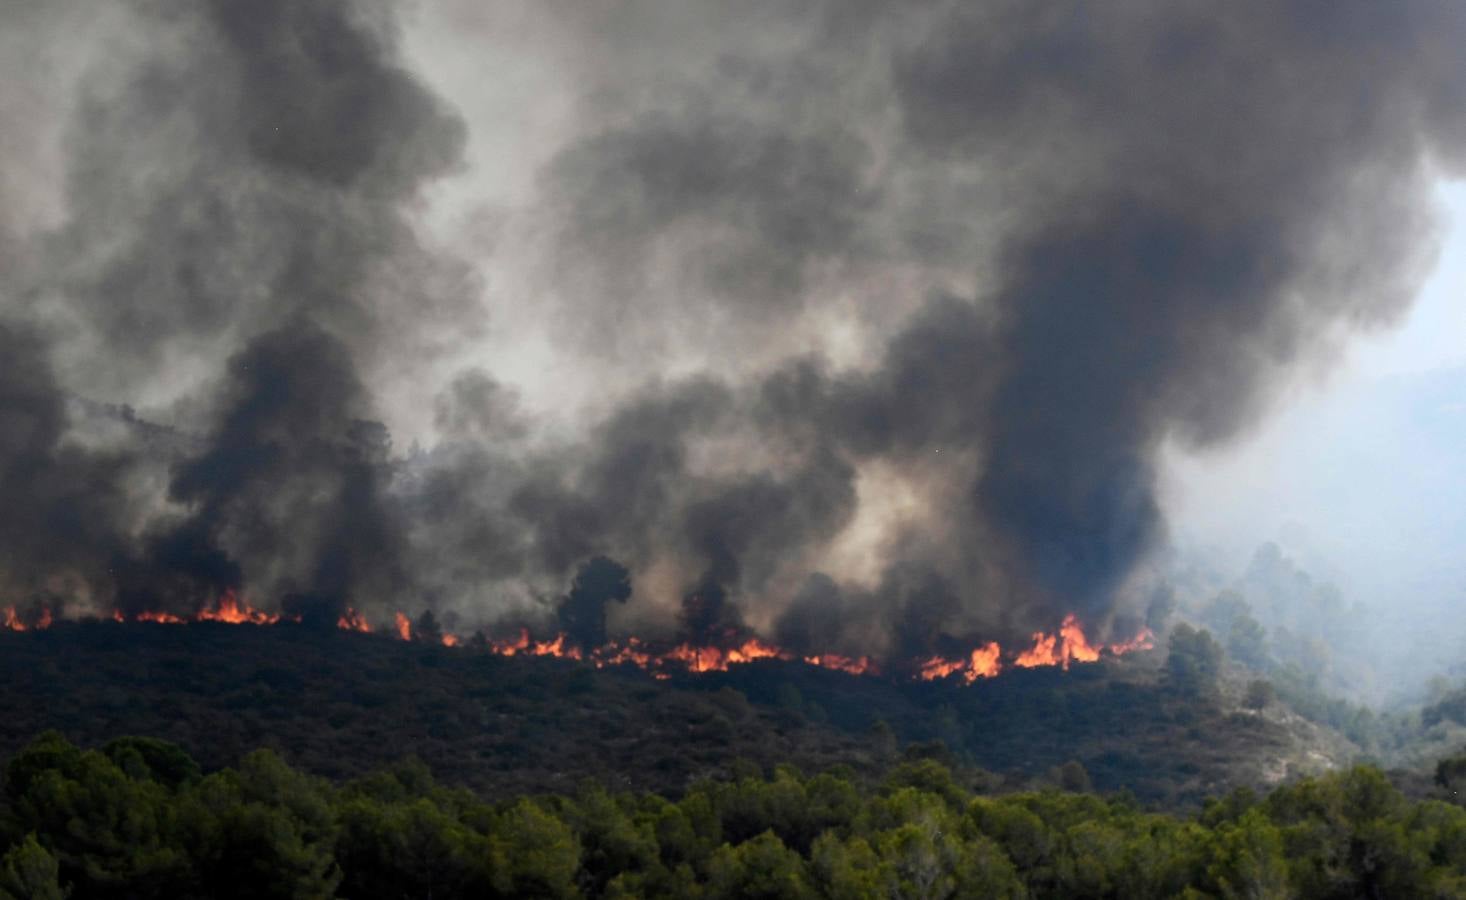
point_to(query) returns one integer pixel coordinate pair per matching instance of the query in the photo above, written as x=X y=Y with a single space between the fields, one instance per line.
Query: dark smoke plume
x=866 y=323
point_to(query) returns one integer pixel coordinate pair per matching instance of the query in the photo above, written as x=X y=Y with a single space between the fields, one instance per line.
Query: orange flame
x=850 y=665
x=522 y=645
x=236 y=612
x=630 y=653
x=1068 y=645
x=982 y=662
x=717 y=659
x=1044 y=652
x=162 y=618
x=11 y=620
x=351 y=620
x=1145 y=640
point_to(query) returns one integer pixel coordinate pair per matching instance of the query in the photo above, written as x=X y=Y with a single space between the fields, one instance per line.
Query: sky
x=872 y=327
x=1358 y=472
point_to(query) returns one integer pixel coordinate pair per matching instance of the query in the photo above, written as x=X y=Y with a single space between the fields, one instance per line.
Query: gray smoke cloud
x=868 y=321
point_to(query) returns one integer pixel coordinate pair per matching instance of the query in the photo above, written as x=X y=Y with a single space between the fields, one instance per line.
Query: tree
x=1194 y=661
x=426 y=629
x=599 y=581
x=1224 y=609
x=761 y=868
x=846 y=870
x=111 y=834
x=1450 y=774
x=1260 y=694
x=409 y=849
x=1248 y=861
x=536 y=854
x=263 y=831
x=1247 y=642
x=143 y=757
x=611 y=843
x=29 y=872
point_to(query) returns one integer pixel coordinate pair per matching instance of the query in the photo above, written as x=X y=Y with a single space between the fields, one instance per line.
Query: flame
x=1042 y=653
x=850 y=665
x=630 y=653
x=162 y=618
x=1076 y=646
x=717 y=659
x=522 y=645
x=351 y=620
x=10 y=620
x=1145 y=640
x=1067 y=645
x=232 y=610
x=982 y=662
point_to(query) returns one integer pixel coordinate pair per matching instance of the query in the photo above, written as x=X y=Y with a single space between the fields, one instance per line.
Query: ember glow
x=1067 y=645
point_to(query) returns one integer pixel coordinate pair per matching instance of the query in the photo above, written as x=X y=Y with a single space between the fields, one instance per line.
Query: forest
x=138 y=818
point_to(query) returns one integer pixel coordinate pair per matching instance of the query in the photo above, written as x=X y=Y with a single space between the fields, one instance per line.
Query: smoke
x=858 y=325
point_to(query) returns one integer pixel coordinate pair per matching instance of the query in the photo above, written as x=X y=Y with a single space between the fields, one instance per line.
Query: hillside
x=338 y=704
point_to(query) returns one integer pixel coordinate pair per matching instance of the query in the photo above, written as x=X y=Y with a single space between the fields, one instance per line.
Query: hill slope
x=338 y=704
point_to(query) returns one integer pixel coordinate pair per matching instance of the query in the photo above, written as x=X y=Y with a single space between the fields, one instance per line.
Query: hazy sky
x=1434 y=335
x=1360 y=474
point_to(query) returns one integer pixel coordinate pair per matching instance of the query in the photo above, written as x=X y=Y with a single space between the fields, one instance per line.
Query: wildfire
x=12 y=621
x=351 y=620
x=850 y=665
x=523 y=646
x=982 y=662
x=161 y=618
x=235 y=612
x=1067 y=645
x=1145 y=640
x=717 y=659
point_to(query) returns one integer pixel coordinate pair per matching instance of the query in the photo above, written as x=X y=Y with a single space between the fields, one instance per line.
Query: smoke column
x=861 y=325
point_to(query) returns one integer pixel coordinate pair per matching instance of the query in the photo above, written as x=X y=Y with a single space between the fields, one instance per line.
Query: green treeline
x=138 y=819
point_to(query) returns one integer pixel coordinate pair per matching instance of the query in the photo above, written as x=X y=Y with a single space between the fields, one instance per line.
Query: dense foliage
x=138 y=819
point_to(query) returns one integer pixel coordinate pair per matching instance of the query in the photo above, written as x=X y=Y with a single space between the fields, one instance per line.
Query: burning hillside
x=1067 y=645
